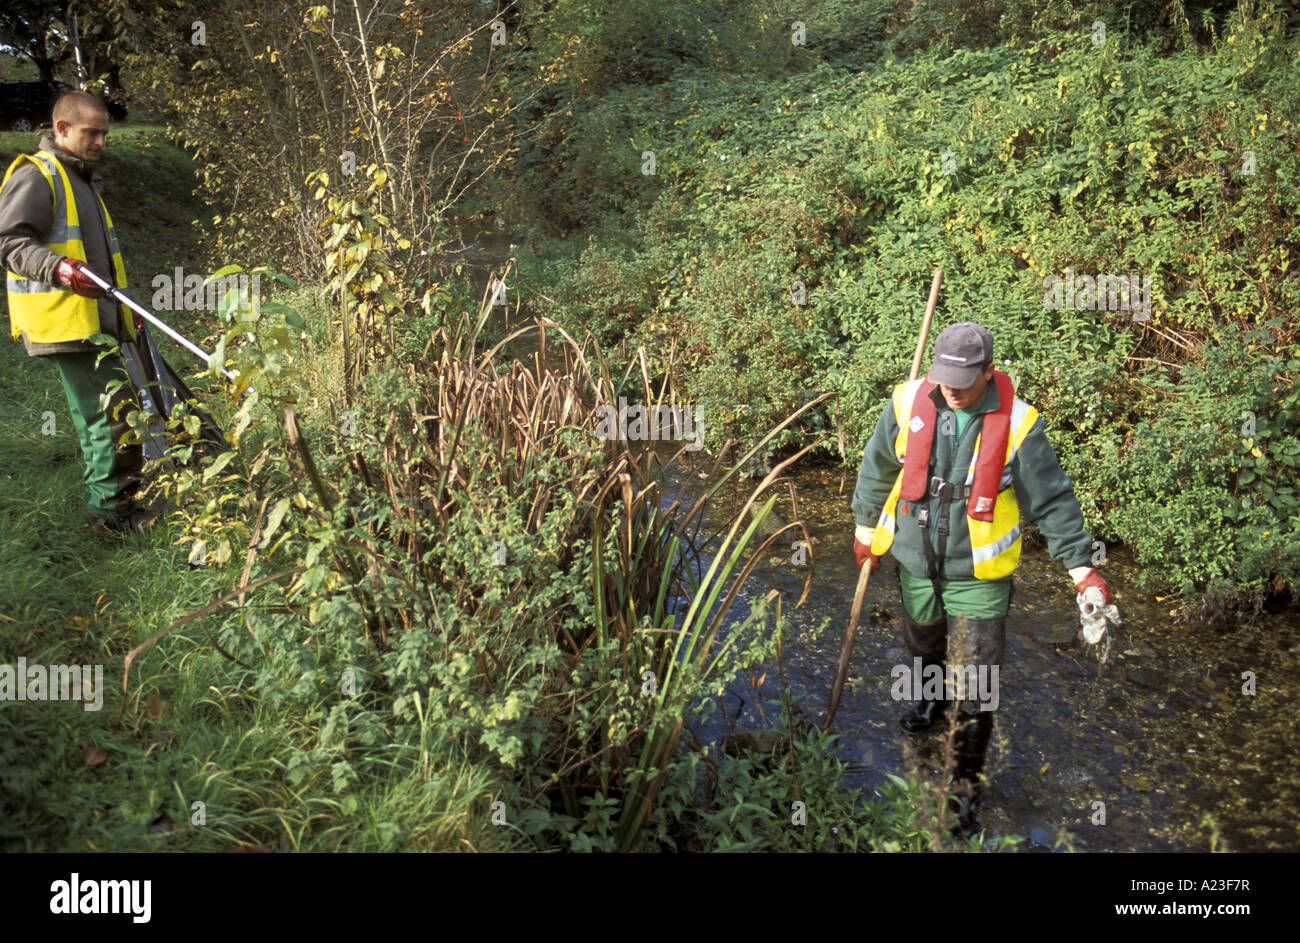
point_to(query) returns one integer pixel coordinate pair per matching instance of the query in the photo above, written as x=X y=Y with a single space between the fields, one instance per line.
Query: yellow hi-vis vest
x=51 y=314
x=995 y=545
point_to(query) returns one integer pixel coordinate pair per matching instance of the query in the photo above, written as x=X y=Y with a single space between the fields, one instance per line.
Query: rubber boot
x=978 y=642
x=970 y=745
x=929 y=642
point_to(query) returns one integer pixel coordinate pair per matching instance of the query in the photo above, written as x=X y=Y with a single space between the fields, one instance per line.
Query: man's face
x=965 y=399
x=85 y=137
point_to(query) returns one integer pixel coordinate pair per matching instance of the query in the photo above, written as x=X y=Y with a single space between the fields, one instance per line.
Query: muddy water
x=1162 y=739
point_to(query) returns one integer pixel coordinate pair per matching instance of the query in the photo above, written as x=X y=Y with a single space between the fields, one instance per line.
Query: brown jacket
x=26 y=217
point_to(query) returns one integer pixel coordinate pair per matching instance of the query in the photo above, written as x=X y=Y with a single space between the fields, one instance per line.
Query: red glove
x=862 y=553
x=72 y=274
x=1093 y=578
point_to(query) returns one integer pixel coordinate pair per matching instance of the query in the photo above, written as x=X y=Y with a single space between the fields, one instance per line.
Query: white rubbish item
x=1094 y=613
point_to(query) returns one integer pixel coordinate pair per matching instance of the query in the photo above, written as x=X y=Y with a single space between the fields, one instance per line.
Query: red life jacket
x=992 y=454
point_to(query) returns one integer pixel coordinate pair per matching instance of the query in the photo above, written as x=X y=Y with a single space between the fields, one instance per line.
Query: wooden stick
x=925 y=325
x=864 y=572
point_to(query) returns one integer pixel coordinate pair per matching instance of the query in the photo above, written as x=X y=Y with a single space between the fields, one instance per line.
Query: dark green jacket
x=1043 y=490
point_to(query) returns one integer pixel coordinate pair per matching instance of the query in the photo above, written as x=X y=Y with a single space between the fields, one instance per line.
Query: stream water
x=1164 y=734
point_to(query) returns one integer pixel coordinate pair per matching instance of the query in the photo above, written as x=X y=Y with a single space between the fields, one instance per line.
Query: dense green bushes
x=607 y=74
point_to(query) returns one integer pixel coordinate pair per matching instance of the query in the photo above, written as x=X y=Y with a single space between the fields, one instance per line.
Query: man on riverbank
x=53 y=226
x=952 y=462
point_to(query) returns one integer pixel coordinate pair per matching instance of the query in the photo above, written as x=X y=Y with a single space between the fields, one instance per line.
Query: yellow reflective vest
x=52 y=314
x=994 y=546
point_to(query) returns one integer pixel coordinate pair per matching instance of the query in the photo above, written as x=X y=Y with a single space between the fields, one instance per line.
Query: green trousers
x=112 y=472
x=979 y=599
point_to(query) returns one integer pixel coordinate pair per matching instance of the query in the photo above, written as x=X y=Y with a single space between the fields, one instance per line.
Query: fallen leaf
x=155 y=706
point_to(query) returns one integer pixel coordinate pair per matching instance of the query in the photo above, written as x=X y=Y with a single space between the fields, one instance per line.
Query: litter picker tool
x=123 y=298
x=159 y=387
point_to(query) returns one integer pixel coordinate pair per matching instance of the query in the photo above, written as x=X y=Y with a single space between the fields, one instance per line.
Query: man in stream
x=950 y=509
x=54 y=226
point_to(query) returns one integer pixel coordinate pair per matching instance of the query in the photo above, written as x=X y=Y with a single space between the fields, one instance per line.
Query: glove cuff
x=1093 y=579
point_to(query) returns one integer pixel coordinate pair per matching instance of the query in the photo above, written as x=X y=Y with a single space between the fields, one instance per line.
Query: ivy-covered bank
x=771 y=240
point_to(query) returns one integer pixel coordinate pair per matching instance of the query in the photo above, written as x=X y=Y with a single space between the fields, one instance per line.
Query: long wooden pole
x=864 y=573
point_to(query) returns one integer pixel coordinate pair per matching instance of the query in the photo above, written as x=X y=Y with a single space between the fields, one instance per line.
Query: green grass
x=67 y=596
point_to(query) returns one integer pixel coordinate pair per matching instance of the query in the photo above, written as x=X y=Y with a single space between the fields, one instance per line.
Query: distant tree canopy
x=34 y=30
x=41 y=32
x=388 y=102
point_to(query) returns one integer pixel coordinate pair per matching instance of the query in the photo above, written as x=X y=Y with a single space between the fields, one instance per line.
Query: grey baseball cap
x=959 y=352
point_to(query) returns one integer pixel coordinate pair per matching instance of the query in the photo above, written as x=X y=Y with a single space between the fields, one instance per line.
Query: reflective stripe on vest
x=995 y=545
x=51 y=314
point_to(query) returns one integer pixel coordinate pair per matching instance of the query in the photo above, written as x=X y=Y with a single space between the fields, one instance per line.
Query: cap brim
x=956 y=377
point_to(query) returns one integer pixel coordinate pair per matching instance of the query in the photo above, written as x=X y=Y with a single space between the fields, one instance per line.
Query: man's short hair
x=71 y=105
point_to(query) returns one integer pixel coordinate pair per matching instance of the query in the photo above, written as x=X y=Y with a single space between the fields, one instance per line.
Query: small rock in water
x=771 y=524
x=1135 y=782
x=1238 y=736
x=1146 y=677
x=1054 y=634
x=753 y=741
x=1040 y=841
